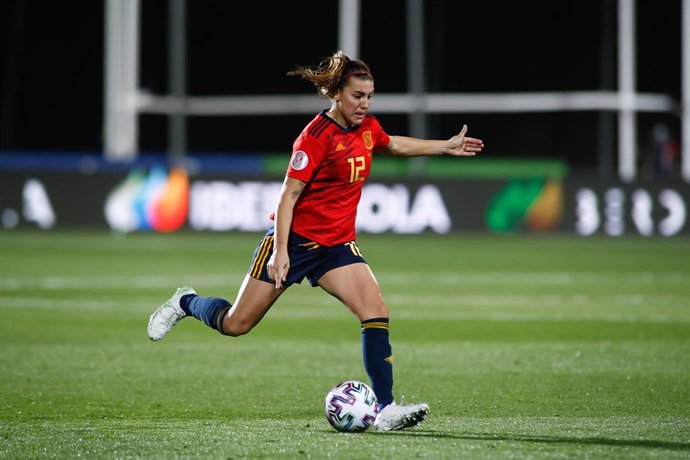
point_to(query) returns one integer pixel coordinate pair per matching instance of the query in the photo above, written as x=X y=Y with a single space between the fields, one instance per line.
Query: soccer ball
x=351 y=406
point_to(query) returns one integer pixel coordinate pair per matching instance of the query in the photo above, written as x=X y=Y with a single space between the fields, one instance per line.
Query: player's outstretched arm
x=458 y=145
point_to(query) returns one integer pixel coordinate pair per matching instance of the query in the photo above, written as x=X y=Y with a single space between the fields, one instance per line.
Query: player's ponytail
x=333 y=73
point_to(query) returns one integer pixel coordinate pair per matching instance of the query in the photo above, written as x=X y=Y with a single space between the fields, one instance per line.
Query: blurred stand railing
x=124 y=100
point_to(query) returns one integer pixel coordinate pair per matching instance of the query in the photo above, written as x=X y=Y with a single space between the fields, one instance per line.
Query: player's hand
x=461 y=145
x=278 y=266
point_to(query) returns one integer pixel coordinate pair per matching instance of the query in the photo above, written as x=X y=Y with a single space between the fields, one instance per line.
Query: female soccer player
x=313 y=235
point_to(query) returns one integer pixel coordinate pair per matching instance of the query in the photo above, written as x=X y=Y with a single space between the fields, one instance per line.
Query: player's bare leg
x=356 y=286
x=254 y=299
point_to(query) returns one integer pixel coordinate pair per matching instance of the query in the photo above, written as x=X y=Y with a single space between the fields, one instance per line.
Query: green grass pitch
x=523 y=346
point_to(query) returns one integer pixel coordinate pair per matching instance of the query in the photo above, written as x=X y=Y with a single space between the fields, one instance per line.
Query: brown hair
x=332 y=73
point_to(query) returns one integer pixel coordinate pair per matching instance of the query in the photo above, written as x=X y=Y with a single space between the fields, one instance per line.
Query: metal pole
x=627 y=130
x=607 y=82
x=685 y=89
x=177 y=78
x=131 y=75
x=113 y=20
x=416 y=66
x=348 y=27
x=121 y=68
x=415 y=76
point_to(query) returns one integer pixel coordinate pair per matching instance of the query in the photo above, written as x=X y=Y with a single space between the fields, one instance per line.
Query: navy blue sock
x=210 y=310
x=378 y=358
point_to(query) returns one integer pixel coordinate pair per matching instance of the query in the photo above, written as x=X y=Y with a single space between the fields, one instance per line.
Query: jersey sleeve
x=382 y=138
x=307 y=154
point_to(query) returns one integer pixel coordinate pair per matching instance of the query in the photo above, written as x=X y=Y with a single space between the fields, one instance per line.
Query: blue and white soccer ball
x=351 y=406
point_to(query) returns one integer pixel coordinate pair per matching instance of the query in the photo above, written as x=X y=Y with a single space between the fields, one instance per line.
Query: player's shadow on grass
x=648 y=443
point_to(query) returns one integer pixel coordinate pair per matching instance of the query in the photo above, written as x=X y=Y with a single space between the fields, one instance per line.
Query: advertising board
x=157 y=199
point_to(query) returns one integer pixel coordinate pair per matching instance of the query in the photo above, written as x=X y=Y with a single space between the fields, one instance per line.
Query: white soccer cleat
x=168 y=314
x=394 y=417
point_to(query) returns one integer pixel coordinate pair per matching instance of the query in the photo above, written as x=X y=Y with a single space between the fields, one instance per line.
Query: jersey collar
x=341 y=127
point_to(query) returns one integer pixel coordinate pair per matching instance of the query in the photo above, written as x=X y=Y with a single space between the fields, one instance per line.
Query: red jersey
x=334 y=162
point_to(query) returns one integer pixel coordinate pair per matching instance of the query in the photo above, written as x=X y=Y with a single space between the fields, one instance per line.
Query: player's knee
x=366 y=311
x=234 y=327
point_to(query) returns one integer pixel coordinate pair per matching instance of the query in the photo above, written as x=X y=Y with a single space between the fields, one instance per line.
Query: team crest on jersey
x=299 y=161
x=368 y=140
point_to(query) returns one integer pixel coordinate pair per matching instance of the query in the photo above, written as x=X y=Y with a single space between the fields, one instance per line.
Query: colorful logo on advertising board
x=158 y=201
x=530 y=204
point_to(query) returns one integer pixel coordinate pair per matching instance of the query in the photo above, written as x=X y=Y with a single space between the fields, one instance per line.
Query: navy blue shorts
x=307 y=258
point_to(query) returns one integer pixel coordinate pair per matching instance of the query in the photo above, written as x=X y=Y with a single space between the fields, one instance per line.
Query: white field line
x=73 y=305
x=386 y=278
x=531 y=300
x=116 y=282
x=315 y=308
x=533 y=278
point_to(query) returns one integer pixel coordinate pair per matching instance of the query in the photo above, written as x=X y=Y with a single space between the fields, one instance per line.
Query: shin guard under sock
x=206 y=309
x=378 y=358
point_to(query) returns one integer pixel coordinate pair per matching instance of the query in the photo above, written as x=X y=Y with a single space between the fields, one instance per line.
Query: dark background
x=52 y=68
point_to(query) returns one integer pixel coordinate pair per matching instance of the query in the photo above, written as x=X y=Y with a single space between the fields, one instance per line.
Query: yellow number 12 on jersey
x=356 y=167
